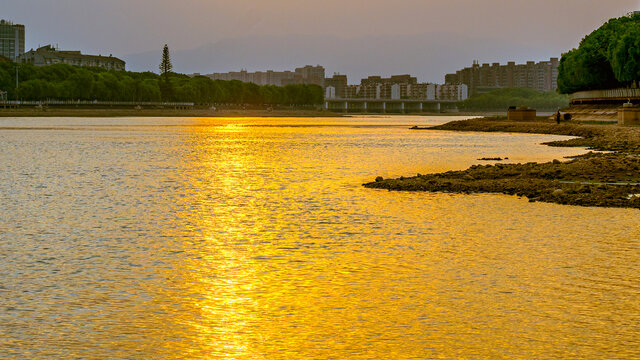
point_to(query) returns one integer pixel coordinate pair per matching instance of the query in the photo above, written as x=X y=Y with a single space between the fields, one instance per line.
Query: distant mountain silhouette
x=428 y=56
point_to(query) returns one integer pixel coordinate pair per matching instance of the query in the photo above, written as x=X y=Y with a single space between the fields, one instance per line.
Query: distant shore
x=595 y=179
x=121 y=112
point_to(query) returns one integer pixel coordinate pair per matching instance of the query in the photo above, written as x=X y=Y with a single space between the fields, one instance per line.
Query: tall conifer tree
x=166 y=89
x=165 y=65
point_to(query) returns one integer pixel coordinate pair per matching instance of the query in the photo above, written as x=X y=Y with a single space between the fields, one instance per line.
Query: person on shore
x=558 y=116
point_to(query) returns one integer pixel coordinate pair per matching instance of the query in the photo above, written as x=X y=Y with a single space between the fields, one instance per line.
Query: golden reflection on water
x=461 y=289
x=245 y=239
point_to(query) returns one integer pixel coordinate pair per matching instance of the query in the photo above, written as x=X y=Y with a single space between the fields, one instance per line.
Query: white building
x=330 y=92
x=456 y=92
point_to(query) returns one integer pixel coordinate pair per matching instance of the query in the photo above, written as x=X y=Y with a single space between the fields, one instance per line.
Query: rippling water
x=253 y=239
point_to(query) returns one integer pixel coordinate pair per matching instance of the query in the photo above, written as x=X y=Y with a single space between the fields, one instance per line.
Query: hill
x=503 y=98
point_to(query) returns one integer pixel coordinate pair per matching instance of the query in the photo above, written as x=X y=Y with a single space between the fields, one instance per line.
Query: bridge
x=398 y=106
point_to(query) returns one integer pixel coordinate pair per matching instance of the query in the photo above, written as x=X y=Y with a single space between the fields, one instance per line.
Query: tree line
x=502 y=99
x=65 y=82
x=607 y=58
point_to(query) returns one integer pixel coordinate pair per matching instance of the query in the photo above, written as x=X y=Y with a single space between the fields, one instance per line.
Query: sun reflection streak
x=275 y=265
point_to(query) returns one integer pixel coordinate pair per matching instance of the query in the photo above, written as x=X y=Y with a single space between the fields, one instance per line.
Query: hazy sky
x=125 y=27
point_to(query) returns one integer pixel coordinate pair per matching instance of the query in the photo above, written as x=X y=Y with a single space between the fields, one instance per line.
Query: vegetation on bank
x=500 y=100
x=607 y=58
x=65 y=82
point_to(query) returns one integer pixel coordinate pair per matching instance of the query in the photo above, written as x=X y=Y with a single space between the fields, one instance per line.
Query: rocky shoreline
x=594 y=179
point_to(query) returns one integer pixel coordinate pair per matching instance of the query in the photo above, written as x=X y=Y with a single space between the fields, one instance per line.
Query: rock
x=584 y=189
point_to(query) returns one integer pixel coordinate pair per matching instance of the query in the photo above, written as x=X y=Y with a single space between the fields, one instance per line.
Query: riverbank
x=116 y=112
x=595 y=179
x=122 y=112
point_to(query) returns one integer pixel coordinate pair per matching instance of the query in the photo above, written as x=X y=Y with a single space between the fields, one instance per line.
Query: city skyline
x=198 y=33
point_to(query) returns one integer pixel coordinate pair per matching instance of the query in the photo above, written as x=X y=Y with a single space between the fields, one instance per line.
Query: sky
x=131 y=28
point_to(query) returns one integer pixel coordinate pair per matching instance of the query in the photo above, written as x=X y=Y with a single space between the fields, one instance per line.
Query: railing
x=93 y=103
x=606 y=94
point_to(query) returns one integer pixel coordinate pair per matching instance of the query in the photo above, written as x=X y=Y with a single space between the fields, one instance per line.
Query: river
x=252 y=238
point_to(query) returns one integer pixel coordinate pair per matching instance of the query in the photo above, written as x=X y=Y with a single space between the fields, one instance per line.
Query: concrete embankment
x=594 y=179
x=593 y=112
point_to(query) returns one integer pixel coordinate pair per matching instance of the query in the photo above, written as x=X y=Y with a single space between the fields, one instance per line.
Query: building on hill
x=302 y=75
x=49 y=55
x=11 y=40
x=541 y=76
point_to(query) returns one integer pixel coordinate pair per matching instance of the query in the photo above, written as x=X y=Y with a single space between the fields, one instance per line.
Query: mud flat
x=594 y=179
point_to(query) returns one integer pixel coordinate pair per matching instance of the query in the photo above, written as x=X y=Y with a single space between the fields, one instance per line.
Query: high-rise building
x=11 y=39
x=304 y=75
x=541 y=76
x=396 y=87
x=339 y=85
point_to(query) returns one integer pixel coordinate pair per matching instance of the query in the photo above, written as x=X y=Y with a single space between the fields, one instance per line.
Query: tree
x=166 y=89
x=66 y=82
x=165 y=65
x=625 y=56
x=606 y=58
x=503 y=98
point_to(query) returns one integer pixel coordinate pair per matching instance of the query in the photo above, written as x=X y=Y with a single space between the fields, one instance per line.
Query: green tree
x=66 y=82
x=166 y=88
x=606 y=58
x=503 y=98
x=625 y=56
x=165 y=65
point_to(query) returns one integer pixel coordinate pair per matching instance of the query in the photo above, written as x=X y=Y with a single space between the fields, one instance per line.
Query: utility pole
x=17 y=82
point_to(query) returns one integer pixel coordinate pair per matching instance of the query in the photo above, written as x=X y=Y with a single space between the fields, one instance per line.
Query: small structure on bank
x=629 y=114
x=522 y=113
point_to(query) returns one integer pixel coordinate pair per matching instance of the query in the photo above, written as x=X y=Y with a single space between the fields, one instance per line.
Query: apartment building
x=541 y=76
x=11 y=40
x=302 y=75
x=49 y=55
x=397 y=87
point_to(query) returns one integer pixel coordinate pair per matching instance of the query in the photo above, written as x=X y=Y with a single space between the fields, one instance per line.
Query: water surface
x=253 y=239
